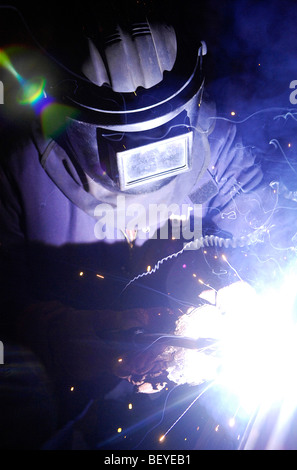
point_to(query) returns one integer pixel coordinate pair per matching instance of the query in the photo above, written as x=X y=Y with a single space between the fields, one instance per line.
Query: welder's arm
x=245 y=202
x=238 y=176
x=65 y=339
x=68 y=342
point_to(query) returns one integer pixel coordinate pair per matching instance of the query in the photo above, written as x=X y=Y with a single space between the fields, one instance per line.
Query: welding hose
x=206 y=241
x=213 y=240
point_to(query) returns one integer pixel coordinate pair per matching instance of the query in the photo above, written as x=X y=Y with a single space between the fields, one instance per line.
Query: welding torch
x=138 y=338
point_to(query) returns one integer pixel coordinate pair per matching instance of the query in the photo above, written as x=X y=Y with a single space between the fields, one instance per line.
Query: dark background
x=239 y=34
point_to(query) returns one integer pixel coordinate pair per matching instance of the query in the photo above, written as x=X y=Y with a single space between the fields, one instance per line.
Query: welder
x=135 y=123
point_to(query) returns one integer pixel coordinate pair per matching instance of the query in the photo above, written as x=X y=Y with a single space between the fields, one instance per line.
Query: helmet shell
x=132 y=58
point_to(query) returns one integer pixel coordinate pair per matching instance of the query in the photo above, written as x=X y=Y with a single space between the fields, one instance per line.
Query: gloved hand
x=146 y=366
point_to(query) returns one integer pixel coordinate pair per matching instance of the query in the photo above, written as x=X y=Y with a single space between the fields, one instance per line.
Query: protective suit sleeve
x=247 y=202
x=68 y=340
x=238 y=176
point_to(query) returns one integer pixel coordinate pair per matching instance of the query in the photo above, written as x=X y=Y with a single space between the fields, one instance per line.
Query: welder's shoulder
x=224 y=133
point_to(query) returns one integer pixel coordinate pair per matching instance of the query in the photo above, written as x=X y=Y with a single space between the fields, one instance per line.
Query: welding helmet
x=138 y=102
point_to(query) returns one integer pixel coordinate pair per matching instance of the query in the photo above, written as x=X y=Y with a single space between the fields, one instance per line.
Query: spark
x=259 y=112
x=185 y=411
x=100 y=276
x=206 y=285
x=276 y=144
x=230 y=266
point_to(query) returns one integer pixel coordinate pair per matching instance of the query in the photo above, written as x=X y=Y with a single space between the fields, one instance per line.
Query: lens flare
x=7 y=64
x=53 y=115
x=32 y=91
x=54 y=118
